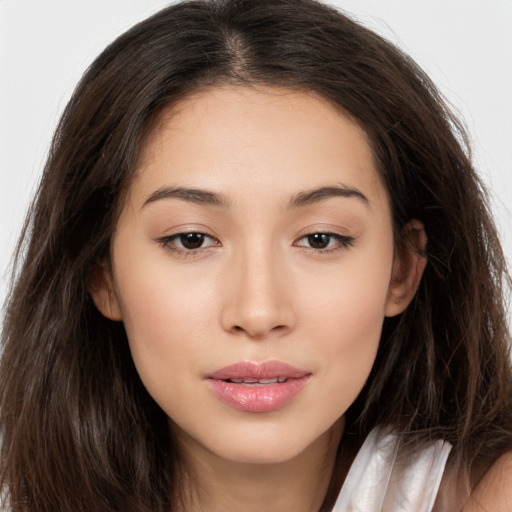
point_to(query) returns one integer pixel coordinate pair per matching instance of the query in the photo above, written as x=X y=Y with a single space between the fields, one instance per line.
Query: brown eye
x=325 y=242
x=319 y=240
x=188 y=242
x=192 y=240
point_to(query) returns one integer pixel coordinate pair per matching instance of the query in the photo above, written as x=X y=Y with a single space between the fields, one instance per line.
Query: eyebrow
x=321 y=194
x=208 y=198
x=192 y=195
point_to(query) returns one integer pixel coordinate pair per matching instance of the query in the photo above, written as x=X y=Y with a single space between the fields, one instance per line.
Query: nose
x=258 y=302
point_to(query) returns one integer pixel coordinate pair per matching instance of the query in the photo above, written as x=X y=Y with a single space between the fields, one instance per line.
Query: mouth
x=257 y=387
x=257 y=382
x=269 y=372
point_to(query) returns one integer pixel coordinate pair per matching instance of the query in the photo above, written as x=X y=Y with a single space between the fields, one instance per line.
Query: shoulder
x=494 y=492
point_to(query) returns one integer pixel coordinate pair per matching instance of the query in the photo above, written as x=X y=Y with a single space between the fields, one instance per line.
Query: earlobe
x=101 y=288
x=408 y=266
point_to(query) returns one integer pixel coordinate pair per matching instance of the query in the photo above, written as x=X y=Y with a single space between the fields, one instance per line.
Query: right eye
x=183 y=243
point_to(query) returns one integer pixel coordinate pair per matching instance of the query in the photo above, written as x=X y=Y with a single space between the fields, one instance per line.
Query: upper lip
x=252 y=370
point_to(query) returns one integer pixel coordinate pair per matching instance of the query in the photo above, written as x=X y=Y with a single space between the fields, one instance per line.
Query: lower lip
x=262 y=398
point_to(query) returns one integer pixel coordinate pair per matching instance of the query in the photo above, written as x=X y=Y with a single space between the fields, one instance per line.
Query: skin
x=494 y=492
x=257 y=289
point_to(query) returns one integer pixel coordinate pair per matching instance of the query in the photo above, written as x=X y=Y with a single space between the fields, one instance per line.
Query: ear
x=408 y=266
x=101 y=288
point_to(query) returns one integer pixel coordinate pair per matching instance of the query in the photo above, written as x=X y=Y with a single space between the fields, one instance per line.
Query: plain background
x=45 y=46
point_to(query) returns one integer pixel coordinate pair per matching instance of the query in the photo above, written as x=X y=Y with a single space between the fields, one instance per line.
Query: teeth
x=274 y=380
x=268 y=381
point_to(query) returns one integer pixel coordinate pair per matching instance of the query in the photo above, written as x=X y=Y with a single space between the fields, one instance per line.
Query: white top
x=378 y=481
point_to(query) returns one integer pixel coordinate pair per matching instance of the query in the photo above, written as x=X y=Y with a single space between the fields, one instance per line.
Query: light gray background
x=465 y=45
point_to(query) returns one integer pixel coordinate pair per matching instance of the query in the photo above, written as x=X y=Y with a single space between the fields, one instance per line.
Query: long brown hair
x=78 y=429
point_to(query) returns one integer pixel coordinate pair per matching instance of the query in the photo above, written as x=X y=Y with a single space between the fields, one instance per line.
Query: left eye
x=322 y=241
x=189 y=241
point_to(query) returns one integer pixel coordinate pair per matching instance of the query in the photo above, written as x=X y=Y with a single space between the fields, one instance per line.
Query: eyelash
x=342 y=242
x=184 y=252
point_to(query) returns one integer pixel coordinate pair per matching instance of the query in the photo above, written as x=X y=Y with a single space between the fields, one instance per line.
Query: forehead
x=239 y=138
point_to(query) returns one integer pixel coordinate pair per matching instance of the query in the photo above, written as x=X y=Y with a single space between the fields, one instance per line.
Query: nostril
x=256 y=319
x=236 y=329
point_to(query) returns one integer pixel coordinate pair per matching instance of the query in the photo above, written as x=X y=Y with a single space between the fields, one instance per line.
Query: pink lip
x=254 y=396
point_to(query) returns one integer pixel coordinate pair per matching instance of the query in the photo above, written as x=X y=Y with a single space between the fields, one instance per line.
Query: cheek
x=348 y=353
x=345 y=317
x=350 y=298
x=349 y=332
x=168 y=317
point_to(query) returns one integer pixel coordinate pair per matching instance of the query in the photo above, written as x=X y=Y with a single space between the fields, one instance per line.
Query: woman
x=259 y=274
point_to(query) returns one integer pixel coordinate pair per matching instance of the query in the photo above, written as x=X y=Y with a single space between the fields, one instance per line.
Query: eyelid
x=183 y=252
x=177 y=236
x=344 y=242
x=184 y=229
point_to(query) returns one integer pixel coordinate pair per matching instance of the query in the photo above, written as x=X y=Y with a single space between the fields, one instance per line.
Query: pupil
x=319 y=240
x=192 y=240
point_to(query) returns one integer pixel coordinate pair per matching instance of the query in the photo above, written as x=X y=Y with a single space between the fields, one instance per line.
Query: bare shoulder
x=494 y=492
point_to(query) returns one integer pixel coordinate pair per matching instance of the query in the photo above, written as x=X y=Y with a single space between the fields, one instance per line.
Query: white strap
x=379 y=481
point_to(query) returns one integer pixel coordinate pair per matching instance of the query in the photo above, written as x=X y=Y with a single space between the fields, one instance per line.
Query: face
x=252 y=266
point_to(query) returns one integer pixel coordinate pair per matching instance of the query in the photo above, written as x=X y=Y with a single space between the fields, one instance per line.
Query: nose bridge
x=258 y=303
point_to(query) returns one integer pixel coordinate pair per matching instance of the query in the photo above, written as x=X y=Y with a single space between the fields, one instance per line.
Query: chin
x=270 y=453
x=268 y=444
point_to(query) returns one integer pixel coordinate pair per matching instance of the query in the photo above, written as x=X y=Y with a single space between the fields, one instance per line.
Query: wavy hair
x=79 y=431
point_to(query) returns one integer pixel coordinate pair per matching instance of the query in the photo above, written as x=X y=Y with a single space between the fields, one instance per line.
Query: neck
x=300 y=484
